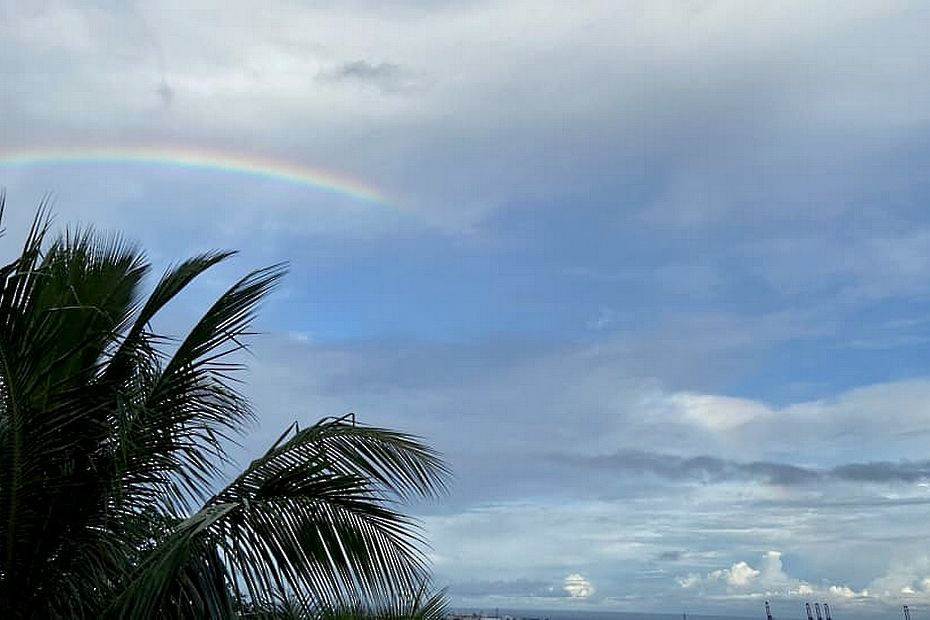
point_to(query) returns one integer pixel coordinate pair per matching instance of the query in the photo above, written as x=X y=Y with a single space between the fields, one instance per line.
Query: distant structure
x=826 y=610
x=807 y=608
x=817 y=611
x=768 y=611
x=907 y=613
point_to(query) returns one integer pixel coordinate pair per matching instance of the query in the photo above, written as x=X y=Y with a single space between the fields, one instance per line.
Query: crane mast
x=826 y=611
x=807 y=607
x=817 y=611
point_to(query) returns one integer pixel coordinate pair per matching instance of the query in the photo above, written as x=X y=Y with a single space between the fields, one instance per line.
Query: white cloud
x=740 y=575
x=803 y=589
x=889 y=419
x=772 y=570
x=907 y=574
x=742 y=580
x=719 y=413
x=577 y=586
x=689 y=581
x=847 y=592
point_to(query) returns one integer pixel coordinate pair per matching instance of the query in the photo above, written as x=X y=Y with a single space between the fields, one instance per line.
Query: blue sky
x=653 y=275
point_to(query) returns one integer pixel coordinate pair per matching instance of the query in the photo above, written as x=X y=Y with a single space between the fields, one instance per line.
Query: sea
x=541 y=614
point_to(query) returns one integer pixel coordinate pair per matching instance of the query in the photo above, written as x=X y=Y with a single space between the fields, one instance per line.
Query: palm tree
x=113 y=439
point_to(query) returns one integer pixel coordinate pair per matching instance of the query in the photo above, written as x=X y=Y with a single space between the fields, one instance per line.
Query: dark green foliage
x=111 y=442
x=422 y=604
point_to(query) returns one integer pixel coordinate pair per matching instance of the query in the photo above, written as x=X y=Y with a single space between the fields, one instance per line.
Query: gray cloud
x=882 y=471
x=387 y=77
x=165 y=94
x=515 y=588
x=500 y=410
x=710 y=469
x=545 y=91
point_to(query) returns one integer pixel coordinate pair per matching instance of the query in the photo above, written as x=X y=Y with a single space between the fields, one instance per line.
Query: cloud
x=513 y=588
x=386 y=76
x=165 y=94
x=847 y=592
x=905 y=471
x=719 y=413
x=740 y=575
x=709 y=469
x=573 y=586
x=907 y=575
x=577 y=586
x=742 y=580
x=591 y=416
x=689 y=581
x=789 y=103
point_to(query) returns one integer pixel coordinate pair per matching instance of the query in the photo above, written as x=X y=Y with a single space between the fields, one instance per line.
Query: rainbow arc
x=202 y=159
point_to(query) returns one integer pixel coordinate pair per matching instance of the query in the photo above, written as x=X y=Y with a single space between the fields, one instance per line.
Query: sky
x=653 y=275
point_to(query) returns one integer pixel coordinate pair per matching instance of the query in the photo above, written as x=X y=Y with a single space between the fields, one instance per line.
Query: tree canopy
x=114 y=438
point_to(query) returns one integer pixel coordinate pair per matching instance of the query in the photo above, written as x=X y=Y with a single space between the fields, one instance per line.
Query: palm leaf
x=307 y=519
x=176 y=435
x=59 y=310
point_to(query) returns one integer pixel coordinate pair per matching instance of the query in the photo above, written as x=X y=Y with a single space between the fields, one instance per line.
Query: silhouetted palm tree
x=112 y=439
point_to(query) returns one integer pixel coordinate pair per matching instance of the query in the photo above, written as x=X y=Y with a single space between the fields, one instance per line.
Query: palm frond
x=60 y=310
x=191 y=408
x=304 y=519
x=423 y=603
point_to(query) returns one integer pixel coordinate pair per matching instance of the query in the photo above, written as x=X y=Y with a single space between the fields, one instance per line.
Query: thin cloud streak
x=710 y=469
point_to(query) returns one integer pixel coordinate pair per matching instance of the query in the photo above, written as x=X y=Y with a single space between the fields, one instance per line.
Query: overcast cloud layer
x=652 y=274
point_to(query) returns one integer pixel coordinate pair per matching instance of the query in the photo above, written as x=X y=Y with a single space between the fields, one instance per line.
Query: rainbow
x=198 y=159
